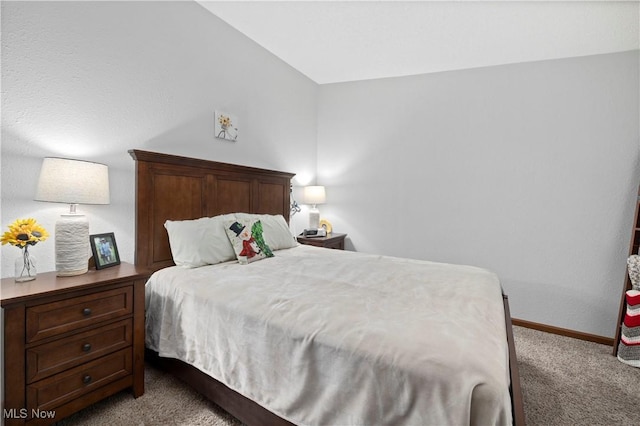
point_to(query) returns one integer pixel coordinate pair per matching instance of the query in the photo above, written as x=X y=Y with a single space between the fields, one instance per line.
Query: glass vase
x=25 y=266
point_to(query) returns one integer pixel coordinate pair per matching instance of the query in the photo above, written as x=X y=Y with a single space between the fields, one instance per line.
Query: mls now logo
x=22 y=413
x=15 y=413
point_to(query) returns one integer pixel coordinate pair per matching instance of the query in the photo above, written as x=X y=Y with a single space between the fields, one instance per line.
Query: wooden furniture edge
x=14 y=360
x=627 y=279
x=21 y=293
x=563 y=332
x=156 y=157
x=621 y=313
x=517 y=401
x=327 y=241
x=138 y=337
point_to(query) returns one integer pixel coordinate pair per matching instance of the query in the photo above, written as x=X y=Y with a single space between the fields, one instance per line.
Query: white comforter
x=327 y=337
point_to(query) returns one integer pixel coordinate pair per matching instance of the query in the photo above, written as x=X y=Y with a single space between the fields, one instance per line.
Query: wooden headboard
x=179 y=188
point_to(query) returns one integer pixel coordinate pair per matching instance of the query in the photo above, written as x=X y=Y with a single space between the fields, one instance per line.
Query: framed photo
x=105 y=250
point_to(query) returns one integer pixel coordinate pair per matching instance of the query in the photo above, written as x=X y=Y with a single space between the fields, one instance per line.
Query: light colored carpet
x=572 y=382
x=564 y=381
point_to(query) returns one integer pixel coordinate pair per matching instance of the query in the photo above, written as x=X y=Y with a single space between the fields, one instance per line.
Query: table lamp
x=314 y=195
x=73 y=182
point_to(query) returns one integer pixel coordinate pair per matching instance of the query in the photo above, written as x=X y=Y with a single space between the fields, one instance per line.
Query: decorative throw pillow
x=276 y=230
x=247 y=240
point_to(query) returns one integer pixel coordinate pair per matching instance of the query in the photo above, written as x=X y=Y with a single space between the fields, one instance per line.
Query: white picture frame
x=226 y=126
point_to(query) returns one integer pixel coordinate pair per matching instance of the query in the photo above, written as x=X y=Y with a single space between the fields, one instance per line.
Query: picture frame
x=104 y=249
x=226 y=126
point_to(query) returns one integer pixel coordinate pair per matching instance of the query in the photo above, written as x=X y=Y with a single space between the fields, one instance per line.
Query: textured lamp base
x=314 y=218
x=72 y=245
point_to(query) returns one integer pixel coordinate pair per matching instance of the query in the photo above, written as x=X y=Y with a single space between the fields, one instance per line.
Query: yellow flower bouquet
x=24 y=233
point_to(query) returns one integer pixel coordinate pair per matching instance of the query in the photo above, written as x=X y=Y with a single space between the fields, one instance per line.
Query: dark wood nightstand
x=71 y=341
x=332 y=241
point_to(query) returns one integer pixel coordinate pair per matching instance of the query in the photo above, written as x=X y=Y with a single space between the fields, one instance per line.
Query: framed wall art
x=226 y=126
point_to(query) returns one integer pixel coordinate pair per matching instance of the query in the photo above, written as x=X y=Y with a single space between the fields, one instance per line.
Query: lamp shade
x=73 y=182
x=314 y=195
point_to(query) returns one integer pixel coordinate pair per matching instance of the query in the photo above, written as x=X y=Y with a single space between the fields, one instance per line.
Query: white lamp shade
x=314 y=195
x=73 y=182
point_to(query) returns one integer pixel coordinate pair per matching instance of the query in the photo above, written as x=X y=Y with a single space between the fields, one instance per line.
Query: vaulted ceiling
x=335 y=41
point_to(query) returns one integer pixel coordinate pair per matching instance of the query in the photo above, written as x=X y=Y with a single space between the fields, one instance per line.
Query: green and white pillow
x=276 y=230
x=247 y=240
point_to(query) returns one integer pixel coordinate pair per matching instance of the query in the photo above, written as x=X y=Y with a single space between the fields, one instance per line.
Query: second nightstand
x=332 y=241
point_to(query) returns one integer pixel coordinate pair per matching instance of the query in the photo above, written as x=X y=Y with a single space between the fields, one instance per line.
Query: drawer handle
x=86 y=379
x=86 y=312
x=86 y=347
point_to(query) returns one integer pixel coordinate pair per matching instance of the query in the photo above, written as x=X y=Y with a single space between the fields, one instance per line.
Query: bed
x=351 y=360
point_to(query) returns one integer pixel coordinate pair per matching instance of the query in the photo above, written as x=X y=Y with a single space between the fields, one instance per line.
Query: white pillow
x=276 y=232
x=199 y=242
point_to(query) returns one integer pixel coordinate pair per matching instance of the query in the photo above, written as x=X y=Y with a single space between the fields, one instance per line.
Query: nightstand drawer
x=50 y=393
x=50 y=358
x=54 y=318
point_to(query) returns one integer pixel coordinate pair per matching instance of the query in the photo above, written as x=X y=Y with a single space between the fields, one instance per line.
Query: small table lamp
x=314 y=195
x=73 y=182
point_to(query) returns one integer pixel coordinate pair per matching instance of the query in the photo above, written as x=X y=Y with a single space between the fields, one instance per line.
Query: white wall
x=530 y=170
x=91 y=80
